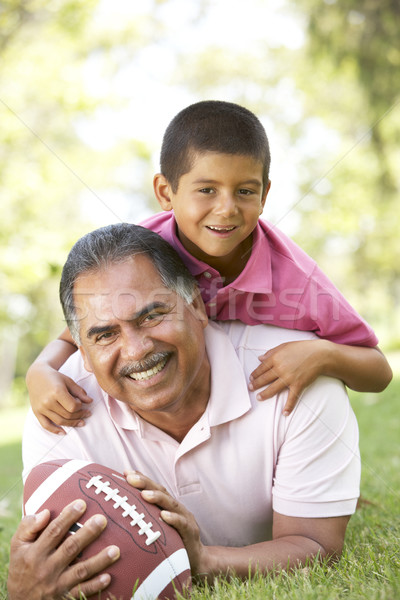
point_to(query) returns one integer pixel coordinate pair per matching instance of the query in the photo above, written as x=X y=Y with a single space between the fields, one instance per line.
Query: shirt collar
x=256 y=277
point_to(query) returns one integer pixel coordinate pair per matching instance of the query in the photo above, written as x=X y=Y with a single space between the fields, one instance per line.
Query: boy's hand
x=56 y=399
x=293 y=365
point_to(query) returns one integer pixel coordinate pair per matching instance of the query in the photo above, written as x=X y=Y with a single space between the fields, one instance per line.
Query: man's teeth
x=139 y=376
x=221 y=228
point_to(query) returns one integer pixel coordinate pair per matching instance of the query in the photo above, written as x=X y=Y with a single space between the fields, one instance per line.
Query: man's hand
x=176 y=515
x=40 y=557
x=293 y=365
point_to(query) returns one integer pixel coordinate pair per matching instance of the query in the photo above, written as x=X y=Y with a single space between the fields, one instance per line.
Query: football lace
x=129 y=510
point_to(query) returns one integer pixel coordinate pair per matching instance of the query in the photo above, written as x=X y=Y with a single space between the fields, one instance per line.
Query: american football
x=153 y=562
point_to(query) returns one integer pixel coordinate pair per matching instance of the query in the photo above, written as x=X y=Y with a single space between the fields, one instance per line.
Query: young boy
x=213 y=186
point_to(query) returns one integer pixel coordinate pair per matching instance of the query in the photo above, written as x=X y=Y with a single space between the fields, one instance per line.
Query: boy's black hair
x=212 y=126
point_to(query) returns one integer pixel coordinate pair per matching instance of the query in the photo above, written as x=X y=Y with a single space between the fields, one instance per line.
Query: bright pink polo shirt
x=280 y=285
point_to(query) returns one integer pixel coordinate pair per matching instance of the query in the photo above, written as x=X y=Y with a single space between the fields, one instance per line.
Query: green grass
x=370 y=564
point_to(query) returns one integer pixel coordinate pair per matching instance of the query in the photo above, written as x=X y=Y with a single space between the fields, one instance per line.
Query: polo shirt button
x=212 y=304
x=207 y=274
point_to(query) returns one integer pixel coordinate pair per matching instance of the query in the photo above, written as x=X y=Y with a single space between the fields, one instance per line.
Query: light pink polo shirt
x=242 y=459
x=280 y=285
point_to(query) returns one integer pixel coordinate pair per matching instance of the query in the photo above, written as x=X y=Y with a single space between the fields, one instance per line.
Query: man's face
x=141 y=340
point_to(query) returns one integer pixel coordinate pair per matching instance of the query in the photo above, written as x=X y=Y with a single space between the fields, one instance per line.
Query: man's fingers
x=30 y=526
x=89 y=588
x=57 y=529
x=140 y=481
x=88 y=572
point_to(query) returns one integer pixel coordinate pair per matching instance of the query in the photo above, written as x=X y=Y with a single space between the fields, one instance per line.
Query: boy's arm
x=55 y=398
x=295 y=365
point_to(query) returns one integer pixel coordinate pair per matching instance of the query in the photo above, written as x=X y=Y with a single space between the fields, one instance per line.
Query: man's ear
x=86 y=361
x=199 y=309
x=162 y=191
x=265 y=194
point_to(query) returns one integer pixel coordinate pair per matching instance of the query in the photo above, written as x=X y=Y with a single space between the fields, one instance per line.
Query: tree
x=48 y=170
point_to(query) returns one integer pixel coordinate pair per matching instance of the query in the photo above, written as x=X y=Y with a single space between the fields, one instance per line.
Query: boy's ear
x=264 y=198
x=162 y=191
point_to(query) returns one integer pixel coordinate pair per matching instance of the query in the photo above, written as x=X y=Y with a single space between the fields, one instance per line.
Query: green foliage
x=351 y=197
x=52 y=183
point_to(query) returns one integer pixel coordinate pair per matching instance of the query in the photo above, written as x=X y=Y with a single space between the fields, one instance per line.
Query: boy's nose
x=226 y=205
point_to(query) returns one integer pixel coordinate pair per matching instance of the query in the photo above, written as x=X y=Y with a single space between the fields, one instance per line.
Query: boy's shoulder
x=162 y=223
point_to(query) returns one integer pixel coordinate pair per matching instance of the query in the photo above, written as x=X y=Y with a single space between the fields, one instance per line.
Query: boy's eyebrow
x=98 y=329
x=213 y=181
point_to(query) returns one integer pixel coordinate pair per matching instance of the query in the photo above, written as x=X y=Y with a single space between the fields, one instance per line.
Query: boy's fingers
x=79 y=393
x=68 y=405
x=292 y=399
x=49 y=425
x=274 y=388
x=260 y=370
x=263 y=379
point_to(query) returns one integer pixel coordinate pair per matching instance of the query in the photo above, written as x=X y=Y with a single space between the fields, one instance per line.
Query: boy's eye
x=206 y=190
x=245 y=192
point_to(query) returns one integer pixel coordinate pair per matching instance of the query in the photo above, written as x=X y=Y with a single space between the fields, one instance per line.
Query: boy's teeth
x=221 y=228
x=139 y=376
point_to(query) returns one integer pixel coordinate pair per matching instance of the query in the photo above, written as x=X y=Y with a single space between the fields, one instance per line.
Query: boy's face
x=217 y=206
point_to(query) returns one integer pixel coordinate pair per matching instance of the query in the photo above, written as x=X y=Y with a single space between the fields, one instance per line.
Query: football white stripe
x=52 y=483
x=162 y=575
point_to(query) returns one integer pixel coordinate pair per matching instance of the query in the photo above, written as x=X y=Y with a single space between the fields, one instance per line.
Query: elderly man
x=242 y=484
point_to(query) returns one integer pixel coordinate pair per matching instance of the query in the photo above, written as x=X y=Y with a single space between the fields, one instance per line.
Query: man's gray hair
x=116 y=243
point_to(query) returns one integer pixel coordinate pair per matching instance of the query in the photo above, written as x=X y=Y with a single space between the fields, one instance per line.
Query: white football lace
x=129 y=509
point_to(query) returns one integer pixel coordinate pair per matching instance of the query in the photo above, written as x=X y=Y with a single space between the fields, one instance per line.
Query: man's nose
x=136 y=345
x=226 y=205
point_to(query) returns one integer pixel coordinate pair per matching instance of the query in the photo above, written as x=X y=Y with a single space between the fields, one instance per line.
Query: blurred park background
x=87 y=88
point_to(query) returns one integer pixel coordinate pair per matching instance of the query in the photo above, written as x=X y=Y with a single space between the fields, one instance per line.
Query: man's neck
x=177 y=421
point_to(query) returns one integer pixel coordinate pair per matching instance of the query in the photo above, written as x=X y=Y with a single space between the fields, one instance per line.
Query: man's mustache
x=143 y=365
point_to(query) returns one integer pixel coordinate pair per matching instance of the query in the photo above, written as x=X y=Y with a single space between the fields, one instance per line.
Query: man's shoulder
x=261 y=337
x=75 y=368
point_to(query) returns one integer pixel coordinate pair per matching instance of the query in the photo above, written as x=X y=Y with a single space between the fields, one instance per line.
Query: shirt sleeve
x=331 y=316
x=39 y=445
x=318 y=465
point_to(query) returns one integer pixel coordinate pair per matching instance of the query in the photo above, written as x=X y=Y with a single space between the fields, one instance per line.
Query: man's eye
x=152 y=318
x=105 y=337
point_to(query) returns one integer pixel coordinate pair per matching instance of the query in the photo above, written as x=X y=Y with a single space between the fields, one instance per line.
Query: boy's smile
x=216 y=207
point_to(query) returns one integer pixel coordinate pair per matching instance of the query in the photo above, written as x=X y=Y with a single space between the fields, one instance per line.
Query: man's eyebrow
x=99 y=329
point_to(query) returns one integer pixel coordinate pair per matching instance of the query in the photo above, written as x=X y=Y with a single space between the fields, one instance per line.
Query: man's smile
x=147 y=368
